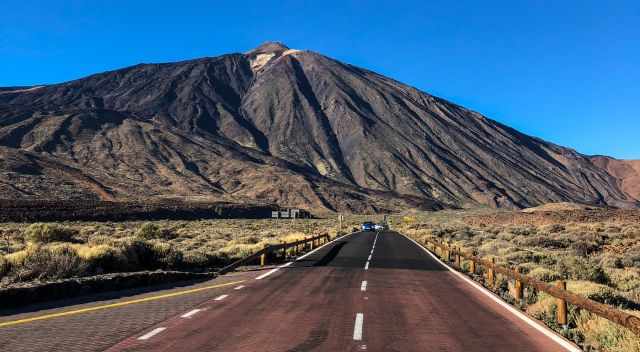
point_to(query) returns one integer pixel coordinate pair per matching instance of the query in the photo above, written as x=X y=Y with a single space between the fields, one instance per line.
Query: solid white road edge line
x=301 y=257
x=357 y=328
x=190 y=313
x=543 y=329
x=220 y=298
x=363 y=287
x=151 y=333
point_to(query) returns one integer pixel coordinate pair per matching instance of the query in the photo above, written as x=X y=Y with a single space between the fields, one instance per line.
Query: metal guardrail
x=558 y=291
x=297 y=247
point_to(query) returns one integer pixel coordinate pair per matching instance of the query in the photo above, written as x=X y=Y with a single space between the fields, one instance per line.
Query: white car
x=378 y=227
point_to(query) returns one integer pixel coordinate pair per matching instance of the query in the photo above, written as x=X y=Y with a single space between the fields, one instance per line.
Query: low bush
x=5 y=266
x=150 y=231
x=46 y=233
x=50 y=263
x=544 y=274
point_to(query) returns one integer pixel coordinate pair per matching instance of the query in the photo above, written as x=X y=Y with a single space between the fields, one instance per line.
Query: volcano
x=284 y=126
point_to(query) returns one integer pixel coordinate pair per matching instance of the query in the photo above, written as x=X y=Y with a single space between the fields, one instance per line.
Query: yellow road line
x=114 y=305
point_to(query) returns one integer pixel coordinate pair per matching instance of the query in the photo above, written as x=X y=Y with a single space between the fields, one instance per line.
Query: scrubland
x=598 y=259
x=31 y=253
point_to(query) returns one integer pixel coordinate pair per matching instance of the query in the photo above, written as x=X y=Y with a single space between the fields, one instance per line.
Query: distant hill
x=277 y=125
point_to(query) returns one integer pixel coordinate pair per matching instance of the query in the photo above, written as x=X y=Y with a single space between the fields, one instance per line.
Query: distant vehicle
x=368 y=226
x=378 y=227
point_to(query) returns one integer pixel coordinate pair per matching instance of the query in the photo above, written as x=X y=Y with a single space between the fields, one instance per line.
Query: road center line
x=363 y=287
x=357 y=328
x=366 y=265
x=151 y=333
x=190 y=313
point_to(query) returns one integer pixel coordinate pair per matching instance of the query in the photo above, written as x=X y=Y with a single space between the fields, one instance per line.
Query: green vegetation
x=599 y=260
x=48 y=251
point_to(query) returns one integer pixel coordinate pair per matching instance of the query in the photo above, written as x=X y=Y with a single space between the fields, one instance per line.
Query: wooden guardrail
x=296 y=247
x=456 y=256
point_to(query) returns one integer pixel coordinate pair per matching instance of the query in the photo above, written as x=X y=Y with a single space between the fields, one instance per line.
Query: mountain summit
x=282 y=126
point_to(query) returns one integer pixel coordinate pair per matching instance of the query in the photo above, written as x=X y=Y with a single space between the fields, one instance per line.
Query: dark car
x=368 y=226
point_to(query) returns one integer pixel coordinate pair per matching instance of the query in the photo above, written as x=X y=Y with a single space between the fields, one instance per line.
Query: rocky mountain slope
x=278 y=125
x=627 y=173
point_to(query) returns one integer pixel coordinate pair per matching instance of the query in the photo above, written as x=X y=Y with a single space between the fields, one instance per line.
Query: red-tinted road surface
x=350 y=295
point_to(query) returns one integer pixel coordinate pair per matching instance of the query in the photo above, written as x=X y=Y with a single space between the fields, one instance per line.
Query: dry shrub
x=46 y=233
x=37 y=262
x=149 y=231
x=602 y=334
x=5 y=266
x=544 y=274
x=577 y=268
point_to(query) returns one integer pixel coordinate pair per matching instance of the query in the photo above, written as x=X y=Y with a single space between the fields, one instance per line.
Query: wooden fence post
x=491 y=274
x=263 y=256
x=519 y=290
x=457 y=257
x=472 y=267
x=562 y=307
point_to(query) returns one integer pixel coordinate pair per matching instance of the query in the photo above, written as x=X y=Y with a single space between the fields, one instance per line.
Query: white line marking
x=366 y=266
x=151 y=333
x=363 y=287
x=357 y=328
x=273 y=271
x=190 y=313
x=541 y=328
x=301 y=257
x=239 y=287
x=220 y=298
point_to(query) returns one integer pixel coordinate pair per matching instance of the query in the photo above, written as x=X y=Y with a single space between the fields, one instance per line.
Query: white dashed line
x=239 y=287
x=366 y=266
x=190 y=313
x=151 y=333
x=220 y=298
x=363 y=287
x=357 y=328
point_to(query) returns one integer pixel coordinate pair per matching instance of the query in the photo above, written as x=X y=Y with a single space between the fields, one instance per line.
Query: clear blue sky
x=566 y=71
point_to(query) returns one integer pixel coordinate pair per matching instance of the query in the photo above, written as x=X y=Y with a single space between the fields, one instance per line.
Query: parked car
x=368 y=226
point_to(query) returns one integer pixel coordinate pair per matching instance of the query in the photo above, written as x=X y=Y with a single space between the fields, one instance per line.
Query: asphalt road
x=367 y=291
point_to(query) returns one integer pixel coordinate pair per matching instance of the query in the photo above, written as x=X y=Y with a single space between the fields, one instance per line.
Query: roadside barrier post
x=472 y=267
x=562 y=307
x=284 y=250
x=457 y=257
x=491 y=275
x=310 y=244
x=263 y=256
x=519 y=291
x=446 y=252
